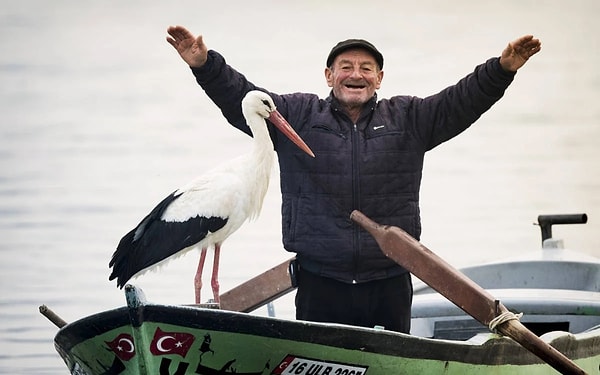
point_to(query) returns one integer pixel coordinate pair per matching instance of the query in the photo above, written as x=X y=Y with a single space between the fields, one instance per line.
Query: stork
x=206 y=211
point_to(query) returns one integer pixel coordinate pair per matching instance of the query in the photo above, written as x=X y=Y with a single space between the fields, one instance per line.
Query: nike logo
x=378 y=127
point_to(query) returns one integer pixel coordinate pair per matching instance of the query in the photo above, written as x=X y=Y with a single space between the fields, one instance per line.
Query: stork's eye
x=266 y=102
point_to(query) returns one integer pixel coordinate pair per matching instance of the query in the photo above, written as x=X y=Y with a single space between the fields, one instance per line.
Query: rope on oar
x=503 y=318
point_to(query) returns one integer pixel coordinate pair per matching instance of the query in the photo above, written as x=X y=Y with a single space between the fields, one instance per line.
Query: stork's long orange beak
x=277 y=119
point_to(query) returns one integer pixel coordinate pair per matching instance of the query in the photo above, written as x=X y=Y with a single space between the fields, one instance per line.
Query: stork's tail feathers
x=120 y=261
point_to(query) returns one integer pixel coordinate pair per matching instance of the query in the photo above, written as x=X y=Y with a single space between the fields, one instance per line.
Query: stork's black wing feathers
x=154 y=240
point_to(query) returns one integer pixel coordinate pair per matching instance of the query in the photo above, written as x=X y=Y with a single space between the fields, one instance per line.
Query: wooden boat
x=558 y=292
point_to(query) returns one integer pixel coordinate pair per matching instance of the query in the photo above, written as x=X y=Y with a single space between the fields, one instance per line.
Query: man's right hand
x=191 y=49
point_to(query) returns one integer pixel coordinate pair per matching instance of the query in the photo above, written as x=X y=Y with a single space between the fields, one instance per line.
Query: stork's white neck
x=261 y=157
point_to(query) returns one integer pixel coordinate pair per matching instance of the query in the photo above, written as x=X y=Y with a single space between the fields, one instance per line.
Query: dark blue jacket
x=374 y=165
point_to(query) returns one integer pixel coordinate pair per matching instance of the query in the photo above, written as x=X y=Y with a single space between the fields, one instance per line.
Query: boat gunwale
x=336 y=335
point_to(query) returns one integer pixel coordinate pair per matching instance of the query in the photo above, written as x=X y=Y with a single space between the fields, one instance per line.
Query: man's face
x=354 y=77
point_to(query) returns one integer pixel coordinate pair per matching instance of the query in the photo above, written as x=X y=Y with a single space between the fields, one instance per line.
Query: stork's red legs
x=214 y=281
x=198 y=277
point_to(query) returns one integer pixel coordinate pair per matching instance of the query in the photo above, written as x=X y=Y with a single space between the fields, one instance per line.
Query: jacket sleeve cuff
x=210 y=69
x=500 y=69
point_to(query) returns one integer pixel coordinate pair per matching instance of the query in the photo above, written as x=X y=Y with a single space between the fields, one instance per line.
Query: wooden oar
x=399 y=246
x=259 y=290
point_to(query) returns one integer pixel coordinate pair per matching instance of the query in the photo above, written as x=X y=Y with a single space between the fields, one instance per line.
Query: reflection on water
x=100 y=120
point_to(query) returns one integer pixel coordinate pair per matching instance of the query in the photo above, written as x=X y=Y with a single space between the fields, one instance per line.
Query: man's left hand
x=516 y=54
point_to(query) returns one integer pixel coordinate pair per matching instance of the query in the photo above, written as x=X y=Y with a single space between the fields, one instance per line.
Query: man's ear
x=379 y=79
x=329 y=77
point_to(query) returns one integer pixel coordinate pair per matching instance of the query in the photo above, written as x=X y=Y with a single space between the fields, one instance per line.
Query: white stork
x=203 y=213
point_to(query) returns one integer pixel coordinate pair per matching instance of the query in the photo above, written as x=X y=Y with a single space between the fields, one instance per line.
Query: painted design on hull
x=169 y=346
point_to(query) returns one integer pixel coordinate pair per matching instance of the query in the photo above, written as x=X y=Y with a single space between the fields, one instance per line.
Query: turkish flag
x=284 y=364
x=171 y=343
x=122 y=346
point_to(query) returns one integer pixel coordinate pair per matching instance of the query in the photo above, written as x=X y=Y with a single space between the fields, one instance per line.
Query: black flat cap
x=354 y=43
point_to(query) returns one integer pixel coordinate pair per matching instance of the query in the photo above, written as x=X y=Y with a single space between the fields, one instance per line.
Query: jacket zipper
x=355 y=195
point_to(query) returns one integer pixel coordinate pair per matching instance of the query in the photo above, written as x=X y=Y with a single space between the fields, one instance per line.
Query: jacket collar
x=367 y=110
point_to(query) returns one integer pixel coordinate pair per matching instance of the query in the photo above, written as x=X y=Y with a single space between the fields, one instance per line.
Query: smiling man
x=354 y=72
x=369 y=157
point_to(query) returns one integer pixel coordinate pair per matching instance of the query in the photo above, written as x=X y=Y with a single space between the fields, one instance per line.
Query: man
x=369 y=156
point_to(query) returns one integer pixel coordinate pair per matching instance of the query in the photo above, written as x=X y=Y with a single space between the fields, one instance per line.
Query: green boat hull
x=157 y=339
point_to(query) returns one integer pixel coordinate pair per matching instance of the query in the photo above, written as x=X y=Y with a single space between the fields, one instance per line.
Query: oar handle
x=458 y=288
x=51 y=315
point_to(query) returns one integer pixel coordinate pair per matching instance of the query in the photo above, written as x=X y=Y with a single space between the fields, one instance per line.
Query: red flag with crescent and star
x=171 y=343
x=122 y=346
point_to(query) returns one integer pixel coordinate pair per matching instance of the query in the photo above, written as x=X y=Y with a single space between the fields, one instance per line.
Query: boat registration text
x=292 y=365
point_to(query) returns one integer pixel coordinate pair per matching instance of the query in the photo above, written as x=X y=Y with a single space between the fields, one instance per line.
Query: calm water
x=100 y=119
